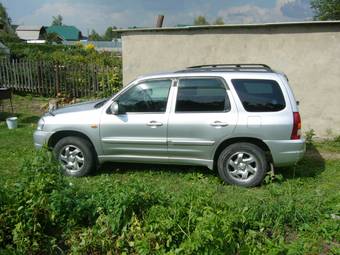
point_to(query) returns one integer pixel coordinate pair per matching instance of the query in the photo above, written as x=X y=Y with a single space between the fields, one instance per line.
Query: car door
x=139 y=130
x=201 y=118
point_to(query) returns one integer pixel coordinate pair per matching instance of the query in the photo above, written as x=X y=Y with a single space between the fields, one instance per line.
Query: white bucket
x=12 y=122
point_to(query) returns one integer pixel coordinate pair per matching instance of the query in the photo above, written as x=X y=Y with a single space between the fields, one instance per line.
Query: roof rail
x=229 y=68
x=232 y=66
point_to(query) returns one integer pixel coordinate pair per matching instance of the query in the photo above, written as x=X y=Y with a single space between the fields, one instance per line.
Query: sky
x=99 y=14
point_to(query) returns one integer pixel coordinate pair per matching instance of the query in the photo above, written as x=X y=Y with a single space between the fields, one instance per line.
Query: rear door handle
x=219 y=124
x=154 y=123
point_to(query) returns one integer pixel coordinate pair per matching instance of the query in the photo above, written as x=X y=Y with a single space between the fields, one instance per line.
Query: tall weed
x=45 y=213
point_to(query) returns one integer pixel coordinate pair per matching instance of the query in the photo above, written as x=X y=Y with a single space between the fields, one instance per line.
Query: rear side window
x=202 y=95
x=259 y=95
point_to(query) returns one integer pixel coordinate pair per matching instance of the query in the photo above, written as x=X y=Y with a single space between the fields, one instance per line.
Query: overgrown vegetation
x=7 y=34
x=309 y=135
x=136 y=209
x=44 y=212
x=332 y=144
x=65 y=54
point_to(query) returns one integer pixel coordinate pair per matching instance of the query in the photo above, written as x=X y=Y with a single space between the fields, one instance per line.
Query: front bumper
x=286 y=152
x=41 y=138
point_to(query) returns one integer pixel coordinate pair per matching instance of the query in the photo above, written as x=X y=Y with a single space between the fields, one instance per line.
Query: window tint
x=150 y=96
x=202 y=95
x=260 y=95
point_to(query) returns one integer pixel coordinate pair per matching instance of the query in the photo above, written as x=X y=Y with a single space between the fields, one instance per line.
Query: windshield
x=101 y=103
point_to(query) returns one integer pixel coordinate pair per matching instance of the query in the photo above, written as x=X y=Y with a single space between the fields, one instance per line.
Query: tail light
x=296 y=132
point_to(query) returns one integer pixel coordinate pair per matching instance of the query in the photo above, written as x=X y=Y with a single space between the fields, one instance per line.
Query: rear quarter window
x=259 y=95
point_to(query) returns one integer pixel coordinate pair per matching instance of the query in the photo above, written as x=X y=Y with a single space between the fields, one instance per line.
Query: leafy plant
x=65 y=54
x=310 y=134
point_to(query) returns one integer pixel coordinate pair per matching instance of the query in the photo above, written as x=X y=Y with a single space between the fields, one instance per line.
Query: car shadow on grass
x=108 y=168
x=312 y=165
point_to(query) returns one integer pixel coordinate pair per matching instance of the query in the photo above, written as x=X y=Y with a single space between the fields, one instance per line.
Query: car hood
x=86 y=106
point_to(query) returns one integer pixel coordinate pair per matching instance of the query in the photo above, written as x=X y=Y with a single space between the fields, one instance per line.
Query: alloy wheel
x=71 y=158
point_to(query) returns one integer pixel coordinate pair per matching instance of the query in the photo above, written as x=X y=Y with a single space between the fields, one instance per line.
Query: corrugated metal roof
x=29 y=28
x=68 y=33
x=226 y=26
x=28 y=35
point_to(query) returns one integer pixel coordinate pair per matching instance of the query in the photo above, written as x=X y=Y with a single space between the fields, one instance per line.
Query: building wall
x=309 y=55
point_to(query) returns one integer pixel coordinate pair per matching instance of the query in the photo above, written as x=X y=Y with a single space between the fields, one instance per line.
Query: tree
x=219 y=21
x=326 y=9
x=109 y=35
x=7 y=33
x=200 y=21
x=53 y=38
x=94 y=36
x=5 y=20
x=57 y=20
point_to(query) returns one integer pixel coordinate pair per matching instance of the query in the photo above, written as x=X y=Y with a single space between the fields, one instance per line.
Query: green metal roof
x=68 y=33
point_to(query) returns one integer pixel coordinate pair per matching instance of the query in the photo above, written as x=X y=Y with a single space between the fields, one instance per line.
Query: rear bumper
x=40 y=138
x=286 y=152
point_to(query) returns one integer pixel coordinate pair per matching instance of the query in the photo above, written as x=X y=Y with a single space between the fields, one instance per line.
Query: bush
x=310 y=134
x=45 y=213
x=65 y=54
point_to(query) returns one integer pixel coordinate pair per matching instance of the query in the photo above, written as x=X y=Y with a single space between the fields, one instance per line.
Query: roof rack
x=229 y=68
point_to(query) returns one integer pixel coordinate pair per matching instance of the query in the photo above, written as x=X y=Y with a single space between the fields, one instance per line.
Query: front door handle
x=154 y=123
x=219 y=124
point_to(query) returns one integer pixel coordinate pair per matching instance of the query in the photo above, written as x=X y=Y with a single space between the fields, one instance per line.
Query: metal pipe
x=159 y=22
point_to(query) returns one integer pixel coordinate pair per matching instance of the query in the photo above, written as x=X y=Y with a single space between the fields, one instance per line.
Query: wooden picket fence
x=50 y=78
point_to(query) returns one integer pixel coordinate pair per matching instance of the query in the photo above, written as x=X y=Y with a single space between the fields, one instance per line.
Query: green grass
x=17 y=144
x=142 y=209
x=331 y=145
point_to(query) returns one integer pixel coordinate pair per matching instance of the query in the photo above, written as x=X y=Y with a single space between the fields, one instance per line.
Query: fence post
x=38 y=77
x=94 y=80
x=2 y=73
x=57 y=81
x=7 y=73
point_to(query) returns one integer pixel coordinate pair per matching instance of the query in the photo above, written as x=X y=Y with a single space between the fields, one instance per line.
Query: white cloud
x=250 y=13
x=84 y=16
x=91 y=14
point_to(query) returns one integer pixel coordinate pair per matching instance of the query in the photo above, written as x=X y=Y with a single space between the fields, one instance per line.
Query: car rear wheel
x=242 y=164
x=75 y=156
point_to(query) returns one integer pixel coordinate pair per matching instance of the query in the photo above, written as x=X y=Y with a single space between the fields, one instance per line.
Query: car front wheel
x=75 y=156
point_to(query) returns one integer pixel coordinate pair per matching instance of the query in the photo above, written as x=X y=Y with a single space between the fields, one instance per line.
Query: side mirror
x=114 y=108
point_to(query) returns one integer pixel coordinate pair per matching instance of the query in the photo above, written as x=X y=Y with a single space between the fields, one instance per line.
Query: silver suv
x=238 y=118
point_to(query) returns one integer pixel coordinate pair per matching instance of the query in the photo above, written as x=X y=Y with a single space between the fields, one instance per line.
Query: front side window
x=202 y=95
x=259 y=95
x=148 y=96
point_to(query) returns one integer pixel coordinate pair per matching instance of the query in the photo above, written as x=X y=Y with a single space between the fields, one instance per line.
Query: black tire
x=242 y=164
x=83 y=162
